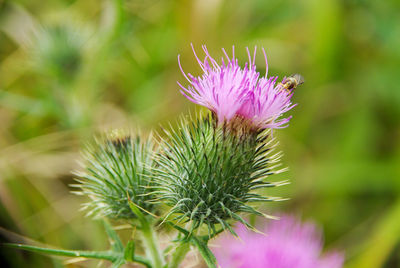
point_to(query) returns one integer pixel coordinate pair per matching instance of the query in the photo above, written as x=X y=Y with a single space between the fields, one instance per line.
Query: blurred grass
x=69 y=69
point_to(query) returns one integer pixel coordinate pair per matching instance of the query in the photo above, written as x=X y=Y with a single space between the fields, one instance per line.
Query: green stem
x=201 y=243
x=119 y=18
x=103 y=255
x=151 y=244
x=179 y=255
x=205 y=252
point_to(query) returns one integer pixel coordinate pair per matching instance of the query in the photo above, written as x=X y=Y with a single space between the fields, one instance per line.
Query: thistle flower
x=286 y=243
x=117 y=170
x=231 y=91
x=207 y=175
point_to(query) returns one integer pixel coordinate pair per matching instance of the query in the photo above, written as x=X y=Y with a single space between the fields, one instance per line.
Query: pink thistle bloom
x=286 y=243
x=231 y=91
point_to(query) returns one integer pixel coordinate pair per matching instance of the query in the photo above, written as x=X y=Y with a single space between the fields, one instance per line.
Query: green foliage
x=208 y=173
x=117 y=171
x=342 y=148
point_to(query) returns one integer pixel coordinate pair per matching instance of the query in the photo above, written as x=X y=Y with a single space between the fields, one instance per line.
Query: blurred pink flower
x=287 y=243
x=231 y=91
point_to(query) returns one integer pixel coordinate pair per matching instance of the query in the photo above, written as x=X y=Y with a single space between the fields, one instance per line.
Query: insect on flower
x=292 y=82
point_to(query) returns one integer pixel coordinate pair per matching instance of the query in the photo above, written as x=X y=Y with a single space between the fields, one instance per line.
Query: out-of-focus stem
x=179 y=255
x=151 y=244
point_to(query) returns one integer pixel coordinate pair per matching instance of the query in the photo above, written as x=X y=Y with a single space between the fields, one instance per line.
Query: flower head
x=231 y=91
x=286 y=243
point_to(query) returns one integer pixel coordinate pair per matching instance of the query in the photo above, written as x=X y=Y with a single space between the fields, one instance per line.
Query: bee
x=292 y=82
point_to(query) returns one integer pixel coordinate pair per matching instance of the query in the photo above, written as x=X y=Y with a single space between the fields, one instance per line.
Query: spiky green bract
x=208 y=173
x=116 y=170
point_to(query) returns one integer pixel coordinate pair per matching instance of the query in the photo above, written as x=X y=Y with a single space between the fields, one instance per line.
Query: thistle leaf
x=129 y=253
x=115 y=241
x=104 y=255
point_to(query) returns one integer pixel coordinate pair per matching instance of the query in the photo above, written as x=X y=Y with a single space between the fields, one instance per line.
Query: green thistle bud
x=59 y=52
x=116 y=170
x=208 y=173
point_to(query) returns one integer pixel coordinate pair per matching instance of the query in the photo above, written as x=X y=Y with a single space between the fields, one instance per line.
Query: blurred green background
x=69 y=69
